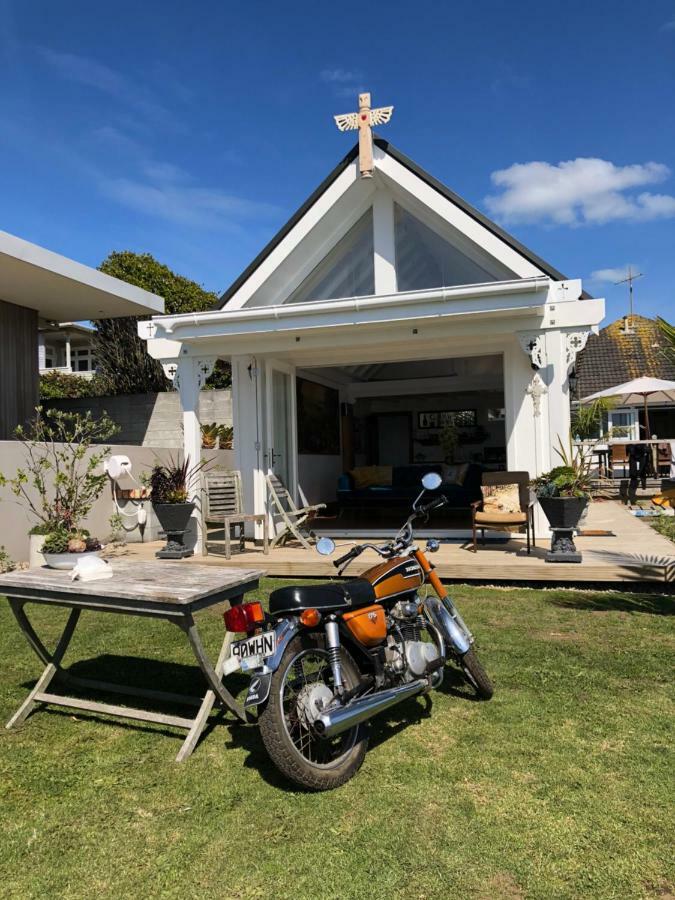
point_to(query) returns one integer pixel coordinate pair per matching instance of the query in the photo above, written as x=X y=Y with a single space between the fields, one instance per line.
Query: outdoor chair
x=223 y=510
x=505 y=521
x=619 y=457
x=286 y=516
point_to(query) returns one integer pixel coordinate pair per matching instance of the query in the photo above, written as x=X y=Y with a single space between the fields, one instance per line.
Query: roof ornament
x=364 y=120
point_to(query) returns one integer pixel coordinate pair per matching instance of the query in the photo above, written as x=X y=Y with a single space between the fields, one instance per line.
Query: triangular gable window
x=425 y=260
x=347 y=271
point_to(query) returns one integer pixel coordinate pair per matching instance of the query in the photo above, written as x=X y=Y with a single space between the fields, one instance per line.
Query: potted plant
x=62 y=549
x=170 y=488
x=62 y=477
x=563 y=494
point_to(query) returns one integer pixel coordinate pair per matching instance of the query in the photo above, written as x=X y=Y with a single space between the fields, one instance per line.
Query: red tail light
x=244 y=617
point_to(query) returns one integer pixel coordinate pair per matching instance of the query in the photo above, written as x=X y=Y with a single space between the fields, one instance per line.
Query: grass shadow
x=593 y=601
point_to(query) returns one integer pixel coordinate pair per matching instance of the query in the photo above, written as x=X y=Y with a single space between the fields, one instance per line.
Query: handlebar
x=399 y=543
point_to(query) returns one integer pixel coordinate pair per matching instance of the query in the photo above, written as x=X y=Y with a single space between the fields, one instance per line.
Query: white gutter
x=169 y=324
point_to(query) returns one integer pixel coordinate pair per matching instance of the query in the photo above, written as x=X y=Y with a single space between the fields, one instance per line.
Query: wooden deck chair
x=223 y=511
x=286 y=516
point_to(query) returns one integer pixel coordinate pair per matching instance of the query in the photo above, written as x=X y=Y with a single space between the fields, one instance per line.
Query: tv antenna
x=629 y=279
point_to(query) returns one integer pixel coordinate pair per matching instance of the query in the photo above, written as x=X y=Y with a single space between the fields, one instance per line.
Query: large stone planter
x=174 y=519
x=563 y=514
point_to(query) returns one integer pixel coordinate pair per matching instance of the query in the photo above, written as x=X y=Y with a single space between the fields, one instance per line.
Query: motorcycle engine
x=407 y=656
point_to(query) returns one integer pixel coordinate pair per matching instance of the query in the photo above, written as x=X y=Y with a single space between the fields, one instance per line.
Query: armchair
x=510 y=521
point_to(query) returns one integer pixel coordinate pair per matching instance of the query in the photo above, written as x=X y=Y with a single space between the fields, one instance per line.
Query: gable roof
x=614 y=357
x=409 y=164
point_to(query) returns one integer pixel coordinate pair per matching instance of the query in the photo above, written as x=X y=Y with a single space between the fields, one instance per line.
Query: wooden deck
x=636 y=554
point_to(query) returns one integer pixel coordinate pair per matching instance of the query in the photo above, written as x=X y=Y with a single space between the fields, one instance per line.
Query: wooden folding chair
x=286 y=516
x=223 y=510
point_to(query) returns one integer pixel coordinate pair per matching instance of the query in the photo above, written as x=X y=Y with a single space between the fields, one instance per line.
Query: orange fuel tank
x=395 y=577
x=368 y=624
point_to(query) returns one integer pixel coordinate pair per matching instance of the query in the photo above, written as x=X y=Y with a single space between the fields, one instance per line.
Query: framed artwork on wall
x=318 y=418
x=462 y=418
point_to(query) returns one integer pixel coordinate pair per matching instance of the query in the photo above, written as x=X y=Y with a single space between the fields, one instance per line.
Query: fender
x=455 y=638
x=261 y=677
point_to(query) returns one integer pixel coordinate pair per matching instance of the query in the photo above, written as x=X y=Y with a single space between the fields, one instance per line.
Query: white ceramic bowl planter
x=67 y=560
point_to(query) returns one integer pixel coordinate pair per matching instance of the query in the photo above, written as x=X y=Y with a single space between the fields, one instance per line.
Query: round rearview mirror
x=431 y=481
x=325 y=546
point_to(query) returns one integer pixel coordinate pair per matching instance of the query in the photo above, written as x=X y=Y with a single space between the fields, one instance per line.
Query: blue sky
x=193 y=131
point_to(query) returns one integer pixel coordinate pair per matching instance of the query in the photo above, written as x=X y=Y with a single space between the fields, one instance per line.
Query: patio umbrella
x=649 y=390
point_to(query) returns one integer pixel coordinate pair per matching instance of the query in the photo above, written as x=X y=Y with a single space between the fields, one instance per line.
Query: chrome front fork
x=333 y=645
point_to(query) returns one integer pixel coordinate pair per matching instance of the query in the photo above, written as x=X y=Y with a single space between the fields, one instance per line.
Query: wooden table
x=167 y=590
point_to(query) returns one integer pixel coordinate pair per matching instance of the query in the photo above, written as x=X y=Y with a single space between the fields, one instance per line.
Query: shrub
x=63 y=386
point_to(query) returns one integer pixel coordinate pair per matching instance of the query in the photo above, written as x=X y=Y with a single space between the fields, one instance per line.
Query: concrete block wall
x=151 y=420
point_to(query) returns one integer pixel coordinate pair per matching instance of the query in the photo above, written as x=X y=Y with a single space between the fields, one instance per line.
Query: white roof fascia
x=51 y=272
x=311 y=219
x=489 y=296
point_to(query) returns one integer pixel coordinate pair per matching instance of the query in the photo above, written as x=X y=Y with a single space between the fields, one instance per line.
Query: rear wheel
x=301 y=687
x=476 y=675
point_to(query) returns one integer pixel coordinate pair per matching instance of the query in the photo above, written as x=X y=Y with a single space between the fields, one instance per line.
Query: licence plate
x=252 y=651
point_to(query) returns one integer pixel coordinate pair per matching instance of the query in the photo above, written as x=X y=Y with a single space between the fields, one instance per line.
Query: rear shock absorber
x=333 y=645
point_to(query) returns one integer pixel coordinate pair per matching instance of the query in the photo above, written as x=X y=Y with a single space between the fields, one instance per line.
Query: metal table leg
x=52 y=660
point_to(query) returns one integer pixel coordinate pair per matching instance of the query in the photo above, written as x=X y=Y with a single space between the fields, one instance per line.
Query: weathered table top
x=161 y=585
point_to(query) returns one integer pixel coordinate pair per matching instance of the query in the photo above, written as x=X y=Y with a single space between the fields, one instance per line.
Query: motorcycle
x=329 y=657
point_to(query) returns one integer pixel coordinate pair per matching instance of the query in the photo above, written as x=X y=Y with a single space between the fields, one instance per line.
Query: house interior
x=367 y=433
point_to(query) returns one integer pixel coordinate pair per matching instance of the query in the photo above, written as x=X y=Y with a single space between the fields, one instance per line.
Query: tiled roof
x=613 y=356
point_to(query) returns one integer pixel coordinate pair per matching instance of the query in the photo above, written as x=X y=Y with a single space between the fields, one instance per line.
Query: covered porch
x=498 y=354
x=631 y=554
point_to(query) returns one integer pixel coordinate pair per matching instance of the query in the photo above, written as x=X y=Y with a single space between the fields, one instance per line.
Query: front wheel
x=476 y=675
x=301 y=688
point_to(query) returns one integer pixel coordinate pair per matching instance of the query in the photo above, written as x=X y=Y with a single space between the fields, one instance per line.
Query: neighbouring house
x=39 y=287
x=629 y=348
x=388 y=328
x=66 y=347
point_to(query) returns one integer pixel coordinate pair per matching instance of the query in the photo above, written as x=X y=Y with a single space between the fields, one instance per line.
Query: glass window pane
x=346 y=271
x=426 y=260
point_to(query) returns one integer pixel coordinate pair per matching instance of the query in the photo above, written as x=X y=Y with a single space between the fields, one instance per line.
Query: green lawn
x=562 y=786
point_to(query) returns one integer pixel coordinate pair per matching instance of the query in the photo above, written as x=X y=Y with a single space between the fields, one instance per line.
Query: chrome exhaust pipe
x=342 y=718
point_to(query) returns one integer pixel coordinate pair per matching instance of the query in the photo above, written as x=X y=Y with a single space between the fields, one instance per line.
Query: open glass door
x=281 y=450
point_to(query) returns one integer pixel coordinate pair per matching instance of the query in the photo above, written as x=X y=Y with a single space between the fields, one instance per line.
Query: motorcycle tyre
x=280 y=747
x=476 y=675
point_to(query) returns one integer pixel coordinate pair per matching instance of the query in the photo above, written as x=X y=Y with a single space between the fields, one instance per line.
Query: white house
x=66 y=347
x=399 y=298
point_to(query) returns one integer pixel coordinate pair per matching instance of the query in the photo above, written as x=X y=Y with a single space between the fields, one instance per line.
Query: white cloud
x=340 y=76
x=185 y=205
x=582 y=191
x=611 y=276
x=102 y=78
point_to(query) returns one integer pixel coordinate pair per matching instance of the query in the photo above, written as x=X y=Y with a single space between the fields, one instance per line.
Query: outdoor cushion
x=501 y=518
x=455 y=474
x=501 y=498
x=369 y=476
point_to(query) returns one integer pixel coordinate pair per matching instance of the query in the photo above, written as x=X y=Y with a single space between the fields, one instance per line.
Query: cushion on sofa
x=371 y=476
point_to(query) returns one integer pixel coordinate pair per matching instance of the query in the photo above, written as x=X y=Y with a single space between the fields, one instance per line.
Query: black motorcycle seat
x=323 y=597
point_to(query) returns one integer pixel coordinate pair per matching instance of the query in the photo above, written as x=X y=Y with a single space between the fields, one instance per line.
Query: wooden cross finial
x=364 y=120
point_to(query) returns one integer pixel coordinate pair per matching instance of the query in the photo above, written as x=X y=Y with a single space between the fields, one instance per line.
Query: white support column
x=42 y=350
x=189 y=375
x=248 y=423
x=525 y=396
x=384 y=246
x=68 y=362
x=558 y=392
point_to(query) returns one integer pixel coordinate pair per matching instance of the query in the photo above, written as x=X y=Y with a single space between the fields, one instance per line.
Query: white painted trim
x=384 y=246
x=310 y=219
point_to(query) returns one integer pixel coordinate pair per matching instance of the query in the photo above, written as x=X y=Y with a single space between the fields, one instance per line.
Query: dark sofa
x=406 y=485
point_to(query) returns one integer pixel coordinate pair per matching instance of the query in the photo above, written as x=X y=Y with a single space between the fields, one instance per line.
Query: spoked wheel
x=301 y=688
x=476 y=675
